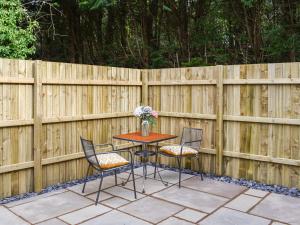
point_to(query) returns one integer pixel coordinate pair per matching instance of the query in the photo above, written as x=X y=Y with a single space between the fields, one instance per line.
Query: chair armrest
x=107 y=144
x=126 y=150
x=186 y=142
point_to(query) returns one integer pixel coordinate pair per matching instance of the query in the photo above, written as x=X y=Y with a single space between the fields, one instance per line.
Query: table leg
x=144 y=177
x=144 y=161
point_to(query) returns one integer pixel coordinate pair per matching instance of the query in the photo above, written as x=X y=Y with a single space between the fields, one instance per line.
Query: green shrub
x=17 y=36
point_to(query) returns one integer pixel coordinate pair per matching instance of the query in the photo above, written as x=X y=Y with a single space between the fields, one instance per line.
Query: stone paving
x=207 y=202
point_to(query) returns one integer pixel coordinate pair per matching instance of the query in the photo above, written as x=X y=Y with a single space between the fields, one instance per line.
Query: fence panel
x=16 y=132
x=95 y=111
x=185 y=97
x=262 y=122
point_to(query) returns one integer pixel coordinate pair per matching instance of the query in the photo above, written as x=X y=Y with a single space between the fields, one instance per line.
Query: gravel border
x=294 y=192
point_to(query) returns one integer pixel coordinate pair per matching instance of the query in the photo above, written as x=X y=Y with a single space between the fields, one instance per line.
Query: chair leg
x=199 y=169
x=133 y=181
x=85 y=180
x=116 y=179
x=179 y=166
x=145 y=170
x=128 y=178
x=101 y=179
x=155 y=166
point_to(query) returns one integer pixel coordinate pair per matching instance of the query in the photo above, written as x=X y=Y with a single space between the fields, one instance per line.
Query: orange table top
x=137 y=137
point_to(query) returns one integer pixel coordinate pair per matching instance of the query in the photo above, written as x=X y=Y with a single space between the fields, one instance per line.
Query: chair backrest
x=89 y=151
x=193 y=135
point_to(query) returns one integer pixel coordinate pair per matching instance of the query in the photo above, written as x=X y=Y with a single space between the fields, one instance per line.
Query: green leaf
x=166 y=8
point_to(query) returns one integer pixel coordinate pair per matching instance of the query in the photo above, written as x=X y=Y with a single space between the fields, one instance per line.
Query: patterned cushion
x=111 y=160
x=175 y=150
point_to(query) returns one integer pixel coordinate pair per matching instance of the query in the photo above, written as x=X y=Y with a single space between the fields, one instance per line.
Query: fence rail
x=250 y=115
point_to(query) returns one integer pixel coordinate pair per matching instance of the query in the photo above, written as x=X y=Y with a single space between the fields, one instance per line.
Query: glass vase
x=145 y=128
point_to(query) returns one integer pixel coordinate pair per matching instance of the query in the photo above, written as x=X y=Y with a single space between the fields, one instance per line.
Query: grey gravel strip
x=294 y=192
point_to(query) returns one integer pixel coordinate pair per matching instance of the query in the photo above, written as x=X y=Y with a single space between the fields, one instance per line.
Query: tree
x=17 y=38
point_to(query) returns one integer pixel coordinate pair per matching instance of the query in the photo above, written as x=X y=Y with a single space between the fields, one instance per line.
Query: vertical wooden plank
x=14 y=150
x=55 y=127
x=62 y=112
x=144 y=74
x=28 y=129
x=37 y=130
x=219 y=122
x=6 y=131
x=48 y=72
x=2 y=194
x=22 y=130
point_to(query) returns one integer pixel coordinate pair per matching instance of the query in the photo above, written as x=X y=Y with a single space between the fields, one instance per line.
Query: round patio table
x=145 y=152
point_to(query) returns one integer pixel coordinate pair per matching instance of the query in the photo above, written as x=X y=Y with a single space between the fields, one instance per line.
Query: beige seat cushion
x=175 y=150
x=111 y=160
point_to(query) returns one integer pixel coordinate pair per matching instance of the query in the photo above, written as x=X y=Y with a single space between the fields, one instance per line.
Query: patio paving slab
x=174 y=221
x=243 y=202
x=53 y=221
x=53 y=206
x=191 y=215
x=84 y=214
x=93 y=186
x=7 y=217
x=103 y=196
x=151 y=209
x=173 y=176
x=191 y=198
x=125 y=175
x=114 y=218
x=151 y=185
x=214 y=187
x=286 y=208
x=123 y=193
x=25 y=200
x=139 y=170
x=115 y=202
x=207 y=202
x=226 y=216
x=257 y=193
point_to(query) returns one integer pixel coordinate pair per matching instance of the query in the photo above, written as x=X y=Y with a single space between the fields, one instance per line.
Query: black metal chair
x=105 y=162
x=189 y=147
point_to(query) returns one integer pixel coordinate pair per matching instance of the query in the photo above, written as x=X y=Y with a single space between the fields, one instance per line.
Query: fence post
x=37 y=130
x=219 y=122
x=144 y=74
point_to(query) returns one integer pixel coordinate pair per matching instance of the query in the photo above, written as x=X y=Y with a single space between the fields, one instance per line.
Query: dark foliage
x=167 y=33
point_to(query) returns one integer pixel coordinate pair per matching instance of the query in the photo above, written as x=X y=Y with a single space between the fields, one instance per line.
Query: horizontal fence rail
x=58 y=159
x=91 y=82
x=250 y=115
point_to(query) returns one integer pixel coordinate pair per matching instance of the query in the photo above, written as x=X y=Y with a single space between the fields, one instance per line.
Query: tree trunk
x=72 y=16
x=183 y=28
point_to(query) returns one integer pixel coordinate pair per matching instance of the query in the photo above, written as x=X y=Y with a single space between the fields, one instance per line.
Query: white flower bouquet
x=146 y=113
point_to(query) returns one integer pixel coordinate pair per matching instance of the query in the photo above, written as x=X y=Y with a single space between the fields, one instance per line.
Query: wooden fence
x=250 y=115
